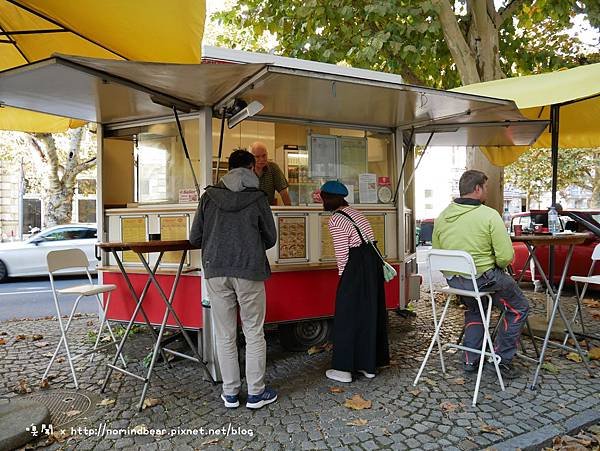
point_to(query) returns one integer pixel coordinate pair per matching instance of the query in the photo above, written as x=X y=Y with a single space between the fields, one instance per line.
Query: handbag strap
x=360 y=233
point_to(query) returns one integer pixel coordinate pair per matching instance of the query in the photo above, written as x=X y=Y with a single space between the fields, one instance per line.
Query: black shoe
x=470 y=367
x=507 y=370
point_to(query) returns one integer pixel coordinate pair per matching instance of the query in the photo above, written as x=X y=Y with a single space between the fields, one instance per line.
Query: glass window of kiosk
x=159 y=172
x=362 y=160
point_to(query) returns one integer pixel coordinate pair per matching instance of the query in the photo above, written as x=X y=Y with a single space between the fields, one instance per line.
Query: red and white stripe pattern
x=345 y=236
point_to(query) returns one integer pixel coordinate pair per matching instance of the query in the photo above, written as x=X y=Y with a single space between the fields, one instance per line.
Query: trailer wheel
x=302 y=335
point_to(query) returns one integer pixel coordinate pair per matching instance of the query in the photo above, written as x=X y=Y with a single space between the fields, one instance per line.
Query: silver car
x=28 y=258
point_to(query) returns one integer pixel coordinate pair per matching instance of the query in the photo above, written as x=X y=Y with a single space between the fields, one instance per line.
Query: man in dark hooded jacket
x=234 y=227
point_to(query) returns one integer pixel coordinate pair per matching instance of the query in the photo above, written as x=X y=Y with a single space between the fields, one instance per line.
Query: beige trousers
x=225 y=294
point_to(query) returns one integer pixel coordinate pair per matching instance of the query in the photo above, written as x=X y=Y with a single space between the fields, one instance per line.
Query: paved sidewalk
x=435 y=415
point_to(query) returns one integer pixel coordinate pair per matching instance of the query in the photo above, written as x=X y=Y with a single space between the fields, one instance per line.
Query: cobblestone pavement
x=308 y=415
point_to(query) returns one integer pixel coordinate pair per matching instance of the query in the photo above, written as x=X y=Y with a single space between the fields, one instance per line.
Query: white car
x=28 y=258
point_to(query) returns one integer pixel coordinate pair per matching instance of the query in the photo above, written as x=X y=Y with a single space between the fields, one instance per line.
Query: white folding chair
x=77 y=259
x=586 y=280
x=459 y=262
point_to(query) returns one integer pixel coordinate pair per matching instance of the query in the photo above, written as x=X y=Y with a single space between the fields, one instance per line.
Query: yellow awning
x=141 y=30
x=576 y=90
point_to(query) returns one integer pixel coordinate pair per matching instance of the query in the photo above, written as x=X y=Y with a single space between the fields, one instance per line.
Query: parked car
x=587 y=221
x=28 y=258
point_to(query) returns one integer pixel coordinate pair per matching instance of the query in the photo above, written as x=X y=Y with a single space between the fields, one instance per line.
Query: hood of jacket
x=237 y=190
x=457 y=209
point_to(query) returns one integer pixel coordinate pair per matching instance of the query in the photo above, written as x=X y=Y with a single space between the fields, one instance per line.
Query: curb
x=536 y=440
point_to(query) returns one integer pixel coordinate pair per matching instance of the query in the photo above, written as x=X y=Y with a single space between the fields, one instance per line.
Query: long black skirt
x=360 y=338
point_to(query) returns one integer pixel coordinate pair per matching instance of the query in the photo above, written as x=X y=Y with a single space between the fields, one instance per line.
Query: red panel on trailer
x=291 y=296
x=187 y=299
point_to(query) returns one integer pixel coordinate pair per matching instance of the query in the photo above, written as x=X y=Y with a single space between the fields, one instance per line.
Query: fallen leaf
x=22 y=387
x=492 y=429
x=574 y=357
x=150 y=402
x=47 y=354
x=2 y=341
x=211 y=441
x=40 y=344
x=44 y=383
x=357 y=402
x=488 y=396
x=549 y=367
x=106 y=402
x=591 y=303
x=72 y=413
x=60 y=360
x=140 y=428
x=58 y=436
x=36 y=337
x=20 y=337
x=357 y=422
x=336 y=390
x=448 y=407
x=90 y=323
x=459 y=381
x=430 y=382
x=315 y=350
x=594 y=354
x=415 y=392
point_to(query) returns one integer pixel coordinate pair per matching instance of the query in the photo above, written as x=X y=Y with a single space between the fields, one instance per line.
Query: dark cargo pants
x=507 y=296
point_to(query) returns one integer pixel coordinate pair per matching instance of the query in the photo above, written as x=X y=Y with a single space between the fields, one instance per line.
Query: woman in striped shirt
x=360 y=341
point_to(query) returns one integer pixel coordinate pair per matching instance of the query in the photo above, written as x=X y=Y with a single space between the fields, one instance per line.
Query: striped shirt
x=271 y=180
x=345 y=236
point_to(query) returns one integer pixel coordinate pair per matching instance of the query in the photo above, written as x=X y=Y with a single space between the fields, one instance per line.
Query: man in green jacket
x=468 y=225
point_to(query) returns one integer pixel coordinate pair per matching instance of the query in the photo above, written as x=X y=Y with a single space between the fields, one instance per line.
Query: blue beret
x=334 y=187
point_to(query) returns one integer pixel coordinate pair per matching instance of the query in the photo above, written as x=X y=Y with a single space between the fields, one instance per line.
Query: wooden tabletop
x=554 y=240
x=148 y=246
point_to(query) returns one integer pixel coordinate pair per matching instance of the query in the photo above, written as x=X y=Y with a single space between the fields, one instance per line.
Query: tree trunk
x=477 y=59
x=59 y=186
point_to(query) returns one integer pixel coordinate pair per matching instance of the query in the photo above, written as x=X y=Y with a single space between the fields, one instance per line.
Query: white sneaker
x=367 y=375
x=339 y=376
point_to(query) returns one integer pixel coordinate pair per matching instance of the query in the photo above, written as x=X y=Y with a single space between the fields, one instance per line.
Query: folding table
x=532 y=242
x=141 y=249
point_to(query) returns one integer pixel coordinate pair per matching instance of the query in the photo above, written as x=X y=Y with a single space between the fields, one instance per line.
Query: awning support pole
x=185 y=149
x=406 y=143
x=412 y=175
x=554 y=130
x=220 y=146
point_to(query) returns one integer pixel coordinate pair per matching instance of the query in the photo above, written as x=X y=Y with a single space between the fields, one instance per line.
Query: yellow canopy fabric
x=142 y=30
x=577 y=90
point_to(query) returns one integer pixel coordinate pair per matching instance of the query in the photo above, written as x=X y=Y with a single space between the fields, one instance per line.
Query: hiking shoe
x=507 y=370
x=367 y=375
x=339 y=376
x=231 y=401
x=266 y=397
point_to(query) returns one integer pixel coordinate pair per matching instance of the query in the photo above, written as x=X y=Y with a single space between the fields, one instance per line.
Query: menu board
x=133 y=230
x=292 y=237
x=353 y=156
x=173 y=228
x=327 y=250
x=378 y=225
x=323 y=156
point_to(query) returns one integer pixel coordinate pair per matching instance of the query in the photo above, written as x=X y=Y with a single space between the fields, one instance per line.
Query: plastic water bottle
x=553 y=224
x=507 y=220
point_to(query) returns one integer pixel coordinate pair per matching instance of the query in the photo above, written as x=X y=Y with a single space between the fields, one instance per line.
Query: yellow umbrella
x=575 y=93
x=142 y=30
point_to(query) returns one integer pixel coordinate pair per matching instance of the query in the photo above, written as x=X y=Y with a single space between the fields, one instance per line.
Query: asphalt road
x=32 y=298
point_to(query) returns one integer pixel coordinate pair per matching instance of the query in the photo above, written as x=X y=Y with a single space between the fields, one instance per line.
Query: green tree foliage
x=437 y=43
x=532 y=172
x=51 y=164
